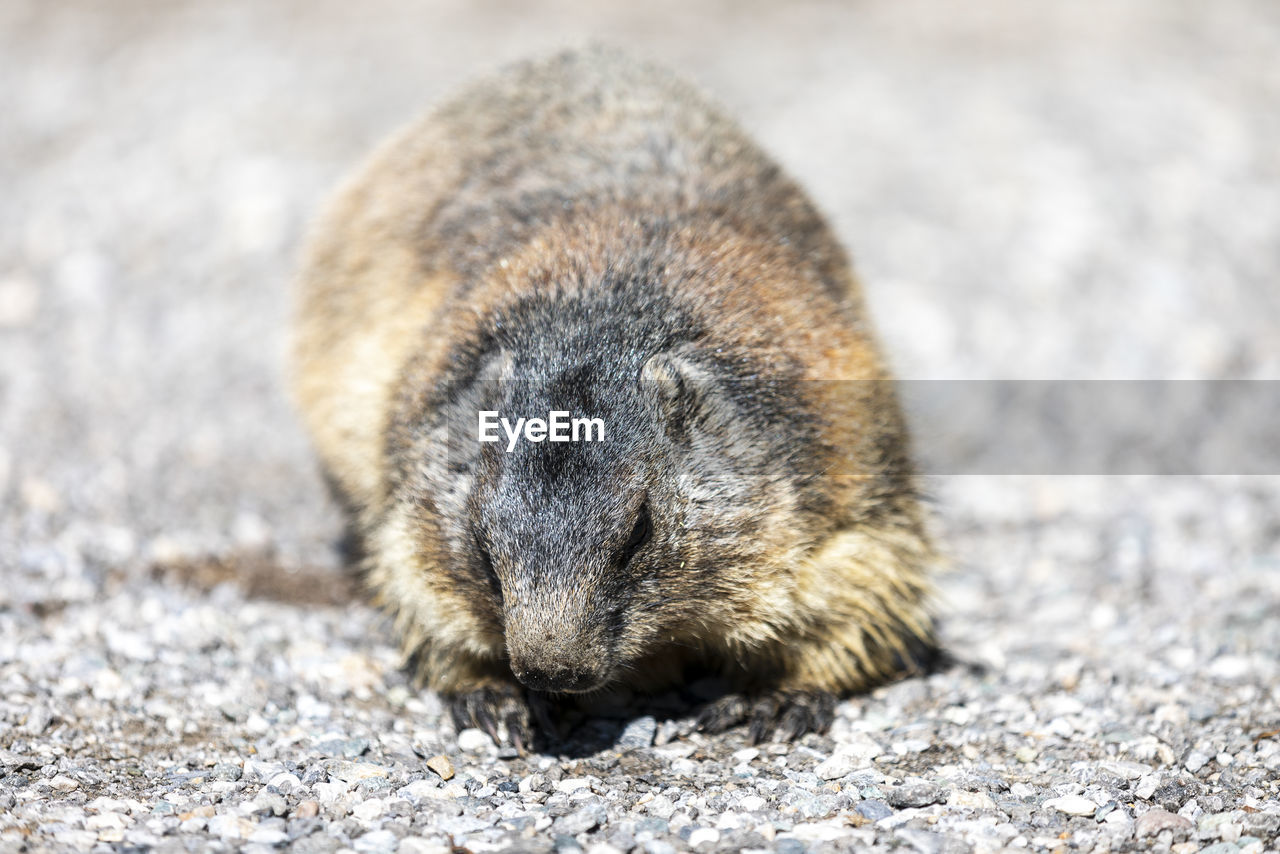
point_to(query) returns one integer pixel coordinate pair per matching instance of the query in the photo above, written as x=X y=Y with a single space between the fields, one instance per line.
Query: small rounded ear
x=492 y=385
x=499 y=367
x=678 y=387
x=483 y=392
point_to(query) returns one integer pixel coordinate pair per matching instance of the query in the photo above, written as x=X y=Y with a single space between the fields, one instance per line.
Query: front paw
x=505 y=712
x=786 y=715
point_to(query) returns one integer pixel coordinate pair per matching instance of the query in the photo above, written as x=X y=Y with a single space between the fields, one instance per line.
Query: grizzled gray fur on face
x=587 y=234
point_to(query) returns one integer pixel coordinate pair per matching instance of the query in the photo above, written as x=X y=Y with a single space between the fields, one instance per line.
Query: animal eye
x=486 y=564
x=639 y=534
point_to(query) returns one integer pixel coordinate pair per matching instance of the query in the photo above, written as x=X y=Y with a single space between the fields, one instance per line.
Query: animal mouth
x=555 y=647
x=562 y=679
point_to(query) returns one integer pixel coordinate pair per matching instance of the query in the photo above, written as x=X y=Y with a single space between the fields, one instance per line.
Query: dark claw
x=763 y=717
x=724 y=713
x=512 y=724
x=784 y=715
x=796 y=720
x=485 y=720
x=485 y=707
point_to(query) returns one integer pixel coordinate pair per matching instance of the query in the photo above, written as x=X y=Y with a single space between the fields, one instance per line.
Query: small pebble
x=1072 y=805
x=661 y=807
x=915 y=795
x=107 y=820
x=19 y=300
x=1195 y=761
x=225 y=771
x=63 y=784
x=839 y=765
x=873 y=810
x=582 y=821
x=1152 y=822
x=970 y=800
x=703 y=835
x=442 y=766
x=353 y=772
x=38 y=720
x=1146 y=787
x=638 y=733
x=474 y=741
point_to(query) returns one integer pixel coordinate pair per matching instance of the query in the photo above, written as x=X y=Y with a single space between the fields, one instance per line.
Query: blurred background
x=1067 y=190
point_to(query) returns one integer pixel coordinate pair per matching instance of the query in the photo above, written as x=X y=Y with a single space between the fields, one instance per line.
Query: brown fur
x=551 y=183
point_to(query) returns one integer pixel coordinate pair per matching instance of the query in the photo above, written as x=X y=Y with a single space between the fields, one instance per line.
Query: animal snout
x=548 y=652
x=565 y=679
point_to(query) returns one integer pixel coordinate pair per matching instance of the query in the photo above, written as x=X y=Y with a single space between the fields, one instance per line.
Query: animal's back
x=538 y=144
x=556 y=138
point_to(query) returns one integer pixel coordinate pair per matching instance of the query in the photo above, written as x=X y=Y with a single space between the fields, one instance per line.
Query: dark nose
x=556 y=640
x=560 y=679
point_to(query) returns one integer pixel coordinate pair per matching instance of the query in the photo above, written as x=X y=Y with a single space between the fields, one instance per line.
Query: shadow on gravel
x=623 y=721
x=260 y=575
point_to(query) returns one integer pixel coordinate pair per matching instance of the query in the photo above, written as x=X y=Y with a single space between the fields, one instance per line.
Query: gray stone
x=638 y=733
x=1172 y=795
x=1262 y=824
x=582 y=820
x=922 y=841
x=1072 y=805
x=915 y=795
x=658 y=846
x=354 y=747
x=38 y=720
x=1195 y=760
x=873 y=810
x=225 y=771
x=839 y=765
x=660 y=807
x=653 y=826
x=1154 y=821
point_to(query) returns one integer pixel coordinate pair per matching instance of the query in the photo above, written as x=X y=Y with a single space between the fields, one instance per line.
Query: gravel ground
x=1052 y=190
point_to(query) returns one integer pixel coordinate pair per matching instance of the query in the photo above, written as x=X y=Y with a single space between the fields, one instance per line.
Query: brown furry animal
x=586 y=233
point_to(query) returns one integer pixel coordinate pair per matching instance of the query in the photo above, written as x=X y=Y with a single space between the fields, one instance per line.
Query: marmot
x=587 y=233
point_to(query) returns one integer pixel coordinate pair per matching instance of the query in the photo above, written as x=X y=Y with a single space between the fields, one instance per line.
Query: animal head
x=586 y=556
